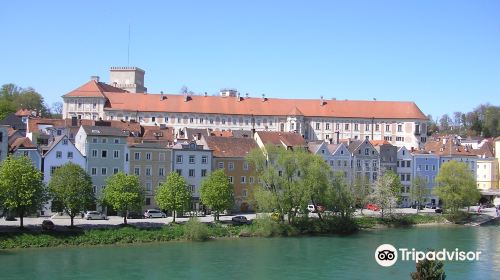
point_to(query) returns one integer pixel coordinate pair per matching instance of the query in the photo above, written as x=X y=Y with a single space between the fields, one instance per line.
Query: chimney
x=115 y=84
x=246 y=95
x=322 y=102
x=338 y=137
x=161 y=95
x=238 y=96
x=186 y=97
x=206 y=94
x=94 y=78
x=263 y=97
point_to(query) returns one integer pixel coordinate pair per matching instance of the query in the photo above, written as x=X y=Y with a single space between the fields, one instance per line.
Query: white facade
x=194 y=163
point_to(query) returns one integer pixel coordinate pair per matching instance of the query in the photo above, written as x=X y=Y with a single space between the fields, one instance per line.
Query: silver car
x=154 y=213
x=94 y=215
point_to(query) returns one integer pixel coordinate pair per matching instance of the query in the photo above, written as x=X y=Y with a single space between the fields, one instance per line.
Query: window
x=94 y=189
x=104 y=140
x=317 y=125
x=377 y=127
x=191 y=172
x=191 y=159
x=161 y=171
x=204 y=159
x=149 y=187
x=104 y=171
x=179 y=171
x=399 y=138
x=137 y=171
x=367 y=151
x=337 y=126
x=203 y=173
x=388 y=138
x=243 y=180
x=201 y=120
x=358 y=163
x=148 y=156
x=116 y=154
x=148 y=201
x=400 y=128
x=408 y=163
x=244 y=193
x=245 y=166
x=70 y=155
x=356 y=127
x=161 y=157
x=426 y=167
x=230 y=179
x=65 y=141
x=58 y=154
x=327 y=126
x=251 y=179
x=153 y=119
x=402 y=177
x=148 y=171
x=280 y=173
x=178 y=159
x=137 y=156
x=230 y=165
x=117 y=141
x=94 y=140
x=53 y=169
x=221 y=165
x=93 y=171
x=115 y=170
x=104 y=153
x=433 y=167
x=408 y=177
x=367 y=127
x=402 y=162
x=346 y=126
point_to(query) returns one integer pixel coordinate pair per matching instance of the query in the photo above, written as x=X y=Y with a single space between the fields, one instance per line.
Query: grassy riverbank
x=197 y=231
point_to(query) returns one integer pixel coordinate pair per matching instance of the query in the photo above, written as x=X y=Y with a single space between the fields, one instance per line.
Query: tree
x=217 y=192
x=429 y=270
x=23 y=98
x=6 y=108
x=173 y=194
x=419 y=191
x=386 y=191
x=444 y=123
x=57 y=108
x=21 y=186
x=71 y=188
x=340 y=197
x=456 y=186
x=124 y=193
x=360 y=190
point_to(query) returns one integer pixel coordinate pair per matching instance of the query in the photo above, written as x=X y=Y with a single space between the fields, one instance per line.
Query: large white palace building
x=126 y=98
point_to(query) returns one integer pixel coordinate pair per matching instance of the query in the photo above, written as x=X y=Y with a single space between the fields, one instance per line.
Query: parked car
x=94 y=215
x=430 y=206
x=439 y=210
x=154 y=213
x=240 y=220
x=48 y=225
x=373 y=207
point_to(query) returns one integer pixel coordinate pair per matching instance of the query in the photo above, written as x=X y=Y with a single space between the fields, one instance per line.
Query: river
x=350 y=257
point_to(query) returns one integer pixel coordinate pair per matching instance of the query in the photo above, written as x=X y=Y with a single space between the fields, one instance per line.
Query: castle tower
x=128 y=78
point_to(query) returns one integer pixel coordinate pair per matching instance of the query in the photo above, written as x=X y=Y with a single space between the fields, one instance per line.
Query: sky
x=443 y=55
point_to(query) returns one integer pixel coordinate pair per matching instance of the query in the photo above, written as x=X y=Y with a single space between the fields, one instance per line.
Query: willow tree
x=456 y=186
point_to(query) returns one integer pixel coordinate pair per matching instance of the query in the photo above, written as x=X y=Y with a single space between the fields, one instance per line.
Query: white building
x=192 y=161
x=400 y=123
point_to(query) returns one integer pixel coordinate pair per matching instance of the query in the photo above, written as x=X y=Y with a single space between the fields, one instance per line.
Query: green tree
x=429 y=270
x=419 y=191
x=456 y=186
x=340 y=197
x=21 y=186
x=124 y=193
x=173 y=194
x=217 y=192
x=361 y=191
x=22 y=98
x=386 y=191
x=71 y=188
x=6 y=108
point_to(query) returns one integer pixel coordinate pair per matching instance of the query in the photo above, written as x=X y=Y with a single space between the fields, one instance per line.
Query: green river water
x=335 y=257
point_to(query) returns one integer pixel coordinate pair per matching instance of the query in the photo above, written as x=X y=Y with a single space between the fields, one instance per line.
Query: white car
x=154 y=213
x=94 y=215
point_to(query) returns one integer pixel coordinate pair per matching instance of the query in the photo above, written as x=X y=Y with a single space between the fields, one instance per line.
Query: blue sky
x=444 y=55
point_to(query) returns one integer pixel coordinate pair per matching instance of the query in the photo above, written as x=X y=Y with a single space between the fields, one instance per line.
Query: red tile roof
x=379 y=142
x=230 y=147
x=22 y=142
x=289 y=139
x=255 y=106
x=450 y=148
x=155 y=134
x=93 y=89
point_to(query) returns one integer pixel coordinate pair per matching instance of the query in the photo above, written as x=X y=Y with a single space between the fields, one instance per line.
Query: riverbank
x=197 y=231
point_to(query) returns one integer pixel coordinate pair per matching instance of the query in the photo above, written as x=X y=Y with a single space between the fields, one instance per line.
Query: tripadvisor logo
x=387 y=255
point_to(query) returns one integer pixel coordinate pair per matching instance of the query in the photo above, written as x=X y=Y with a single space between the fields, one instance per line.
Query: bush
x=195 y=230
x=265 y=227
x=459 y=217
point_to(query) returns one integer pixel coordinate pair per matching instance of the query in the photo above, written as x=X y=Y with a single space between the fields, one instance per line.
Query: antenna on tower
x=128 y=46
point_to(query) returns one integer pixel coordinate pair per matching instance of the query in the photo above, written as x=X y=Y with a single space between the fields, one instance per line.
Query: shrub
x=195 y=230
x=265 y=227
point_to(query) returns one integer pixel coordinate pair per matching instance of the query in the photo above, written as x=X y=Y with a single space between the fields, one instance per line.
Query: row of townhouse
x=104 y=148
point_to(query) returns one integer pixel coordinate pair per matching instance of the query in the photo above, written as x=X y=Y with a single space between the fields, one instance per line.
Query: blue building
x=426 y=165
